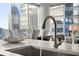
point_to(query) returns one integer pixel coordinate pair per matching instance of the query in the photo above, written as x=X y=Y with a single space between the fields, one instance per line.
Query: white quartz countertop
x=65 y=47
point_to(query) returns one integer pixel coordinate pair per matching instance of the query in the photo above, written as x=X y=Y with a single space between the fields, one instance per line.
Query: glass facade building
x=14 y=18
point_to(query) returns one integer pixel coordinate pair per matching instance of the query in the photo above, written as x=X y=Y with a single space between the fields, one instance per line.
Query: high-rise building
x=28 y=16
x=14 y=18
x=33 y=17
x=2 y=32
x=24 y=16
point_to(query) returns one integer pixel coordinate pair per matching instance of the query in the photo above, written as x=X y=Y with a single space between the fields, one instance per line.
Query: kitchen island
x=48 y=45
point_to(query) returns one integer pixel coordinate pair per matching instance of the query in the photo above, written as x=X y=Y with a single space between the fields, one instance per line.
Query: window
x=33 y=16
x=76 y=13
x=59 y=30
x=4 y=16
x=58 y=13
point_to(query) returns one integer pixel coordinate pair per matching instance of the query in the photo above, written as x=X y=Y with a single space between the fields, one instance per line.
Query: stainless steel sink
x=1 y=55
x=35 y=51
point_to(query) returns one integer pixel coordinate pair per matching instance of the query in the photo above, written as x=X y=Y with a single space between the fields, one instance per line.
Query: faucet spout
x=43 y=27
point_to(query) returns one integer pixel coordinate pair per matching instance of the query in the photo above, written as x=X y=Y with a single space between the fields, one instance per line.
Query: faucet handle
x=60 y=39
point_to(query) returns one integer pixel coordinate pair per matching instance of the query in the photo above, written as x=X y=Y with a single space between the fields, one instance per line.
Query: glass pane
x=4 y=16
x=58 y=13
x=33 y=16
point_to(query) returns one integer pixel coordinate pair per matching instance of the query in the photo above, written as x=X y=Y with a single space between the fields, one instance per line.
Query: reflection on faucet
x=56 y=44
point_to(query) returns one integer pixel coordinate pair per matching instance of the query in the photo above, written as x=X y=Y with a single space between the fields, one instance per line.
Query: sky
x=4 y=14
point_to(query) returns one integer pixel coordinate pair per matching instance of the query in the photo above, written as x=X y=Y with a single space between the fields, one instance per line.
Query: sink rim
x=45 y=48
x=2 y=55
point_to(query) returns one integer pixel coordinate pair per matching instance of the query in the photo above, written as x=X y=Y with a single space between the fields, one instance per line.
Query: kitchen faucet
x=56 y=43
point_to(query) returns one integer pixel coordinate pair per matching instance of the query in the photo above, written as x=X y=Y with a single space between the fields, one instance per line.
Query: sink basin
x=26 y=51
x=1 y=55
x=35 y=51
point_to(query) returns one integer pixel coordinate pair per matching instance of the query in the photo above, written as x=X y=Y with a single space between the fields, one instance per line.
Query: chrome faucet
x=56 y=44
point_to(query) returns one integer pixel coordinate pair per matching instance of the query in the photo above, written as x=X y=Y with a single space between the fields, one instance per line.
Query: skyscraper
x=14 y=18
x=24 y=16
x=28 y=16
